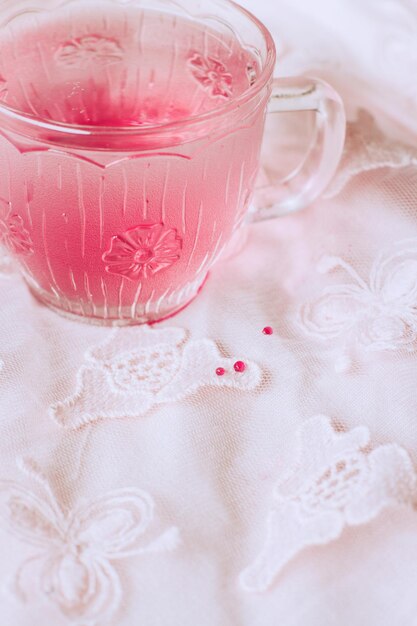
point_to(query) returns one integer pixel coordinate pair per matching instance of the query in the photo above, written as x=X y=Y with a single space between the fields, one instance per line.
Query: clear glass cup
x=130 y=139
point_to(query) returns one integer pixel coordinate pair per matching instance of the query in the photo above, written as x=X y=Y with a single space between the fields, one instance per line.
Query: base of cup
x=94 y=320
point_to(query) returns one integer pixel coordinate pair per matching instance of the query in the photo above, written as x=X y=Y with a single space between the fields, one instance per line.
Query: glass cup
x=130 y=139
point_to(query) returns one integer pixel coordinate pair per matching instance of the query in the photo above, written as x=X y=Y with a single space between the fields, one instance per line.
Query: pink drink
x=124 y=226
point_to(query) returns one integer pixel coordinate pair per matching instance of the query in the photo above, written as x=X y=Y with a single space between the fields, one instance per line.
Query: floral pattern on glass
x=88 y=49
x=136 y=369
x=337 y=480
x=143 y=251
x=212 y=75
x=369 y=316
x=13 y=232
x=71 y=565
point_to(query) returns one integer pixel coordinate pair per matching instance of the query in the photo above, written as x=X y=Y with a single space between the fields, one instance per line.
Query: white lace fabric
x=140 y=486
x=137 y=368
x=340 y=484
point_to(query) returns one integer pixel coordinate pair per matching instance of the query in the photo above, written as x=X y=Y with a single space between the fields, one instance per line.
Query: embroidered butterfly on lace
x=375 y=315
x=73 y=551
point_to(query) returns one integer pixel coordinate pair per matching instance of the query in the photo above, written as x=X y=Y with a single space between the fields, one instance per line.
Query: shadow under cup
x=129 y=148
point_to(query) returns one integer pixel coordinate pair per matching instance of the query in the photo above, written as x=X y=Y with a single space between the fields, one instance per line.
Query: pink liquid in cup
x=124 y=227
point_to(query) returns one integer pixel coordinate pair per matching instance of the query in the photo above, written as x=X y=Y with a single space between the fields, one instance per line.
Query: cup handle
x=312 y=176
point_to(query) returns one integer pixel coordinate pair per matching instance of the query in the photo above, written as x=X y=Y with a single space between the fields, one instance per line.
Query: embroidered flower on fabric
x=72 y=565
x=13 y=233
x=138 y=368
x=371 y=316
x=90 y=48
x=143 y=251
x=337 y=481
x=212 y=75
x=366 y=149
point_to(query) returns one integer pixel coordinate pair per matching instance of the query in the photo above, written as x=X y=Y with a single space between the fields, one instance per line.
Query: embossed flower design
x=90 y=48
x=136 y=369
x=212 y=75
x=143 y=251
x=74 y=549
x=372 y=316
x=13 y=233
x=336 y=481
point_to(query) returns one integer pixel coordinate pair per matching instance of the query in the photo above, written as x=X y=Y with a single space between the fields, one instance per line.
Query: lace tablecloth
x=139 y=488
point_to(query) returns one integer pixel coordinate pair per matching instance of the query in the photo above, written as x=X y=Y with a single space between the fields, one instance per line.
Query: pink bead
x=220 y=371
x=268 y=330
x=240 y=367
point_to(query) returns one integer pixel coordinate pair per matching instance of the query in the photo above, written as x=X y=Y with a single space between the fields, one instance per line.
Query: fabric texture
x=207 y=472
